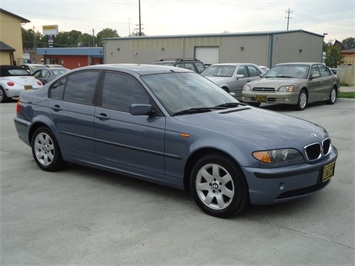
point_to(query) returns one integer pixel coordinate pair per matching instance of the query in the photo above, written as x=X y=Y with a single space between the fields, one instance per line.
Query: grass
x=350 y=94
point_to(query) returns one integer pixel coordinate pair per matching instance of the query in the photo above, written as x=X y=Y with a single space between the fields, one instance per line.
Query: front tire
x=332 y=96
x=302 y=100
x=45 y=150
x=218 y=186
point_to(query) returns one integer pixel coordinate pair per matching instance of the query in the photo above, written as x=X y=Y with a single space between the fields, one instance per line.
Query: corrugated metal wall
x=261 y=49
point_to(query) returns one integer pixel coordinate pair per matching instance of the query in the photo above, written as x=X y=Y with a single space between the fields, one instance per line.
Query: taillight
x=10 y=83
x=18 y=106
x=39 y=83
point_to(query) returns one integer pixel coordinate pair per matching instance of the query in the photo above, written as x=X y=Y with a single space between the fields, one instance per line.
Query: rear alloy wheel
x=332 y=96
x=302 y=100
x=3 y=96
x=218 y=186
x=46 y=151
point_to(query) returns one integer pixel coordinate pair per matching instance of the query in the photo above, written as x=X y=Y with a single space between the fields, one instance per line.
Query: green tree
x=105 y=33
x=349 y=43
x=333 y=57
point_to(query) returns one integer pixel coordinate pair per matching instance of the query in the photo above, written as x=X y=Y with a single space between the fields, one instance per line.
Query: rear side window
x=324 y=71
x=78 y=87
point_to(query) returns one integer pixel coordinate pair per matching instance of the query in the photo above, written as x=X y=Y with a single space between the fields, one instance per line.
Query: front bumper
x=267 y=97
x=273 y=185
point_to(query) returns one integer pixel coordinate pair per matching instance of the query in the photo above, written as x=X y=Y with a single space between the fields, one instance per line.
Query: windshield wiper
x=230 y=105
x=283 y=76
x=193 y=111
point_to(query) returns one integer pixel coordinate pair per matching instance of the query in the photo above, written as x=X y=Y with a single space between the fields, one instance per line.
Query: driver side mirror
x=315 y=75
x=239 y=76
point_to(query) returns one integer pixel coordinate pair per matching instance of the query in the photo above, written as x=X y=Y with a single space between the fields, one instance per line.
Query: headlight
x=247 y=87
x=279 y=157
x=290 y=88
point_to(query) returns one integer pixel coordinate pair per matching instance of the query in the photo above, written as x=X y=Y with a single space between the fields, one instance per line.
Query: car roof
x=141 y=69
x=299 y=63
x=232 y=64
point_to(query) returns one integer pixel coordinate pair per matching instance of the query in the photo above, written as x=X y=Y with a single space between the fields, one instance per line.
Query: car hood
x=275 y=82
x=261 y=127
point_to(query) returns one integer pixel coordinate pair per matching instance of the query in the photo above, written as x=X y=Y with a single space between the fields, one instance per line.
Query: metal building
x=262 y=48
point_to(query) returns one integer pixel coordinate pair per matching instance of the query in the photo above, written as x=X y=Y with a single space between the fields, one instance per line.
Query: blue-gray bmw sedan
x=176 y=128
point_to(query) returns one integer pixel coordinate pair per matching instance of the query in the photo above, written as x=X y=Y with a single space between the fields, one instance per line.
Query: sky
x=334 y=18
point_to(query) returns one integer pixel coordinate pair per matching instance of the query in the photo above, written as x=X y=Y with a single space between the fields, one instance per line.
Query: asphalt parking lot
x=86 y=216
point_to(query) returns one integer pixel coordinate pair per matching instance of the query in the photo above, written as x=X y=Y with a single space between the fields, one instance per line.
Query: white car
x=233 y=76
x=15 y=79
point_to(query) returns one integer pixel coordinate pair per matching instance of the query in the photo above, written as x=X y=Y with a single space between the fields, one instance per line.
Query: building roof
x=23 y=20
x=90 y=51
x=6 y=48
x=349 y=51
x=214 y=35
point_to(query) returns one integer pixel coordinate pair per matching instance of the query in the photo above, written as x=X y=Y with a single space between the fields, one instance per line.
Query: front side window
x=315 y=70
x=120 y=91
x=253 y=71
x=80 y=87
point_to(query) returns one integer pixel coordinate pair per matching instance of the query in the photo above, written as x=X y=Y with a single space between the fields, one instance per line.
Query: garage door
x=208 y=55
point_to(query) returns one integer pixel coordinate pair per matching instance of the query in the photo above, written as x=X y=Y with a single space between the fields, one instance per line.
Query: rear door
x=71 y=103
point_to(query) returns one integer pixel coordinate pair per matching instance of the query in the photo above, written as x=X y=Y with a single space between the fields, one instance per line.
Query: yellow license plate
x=328 y=171
x=261 y=98
x=28 y=87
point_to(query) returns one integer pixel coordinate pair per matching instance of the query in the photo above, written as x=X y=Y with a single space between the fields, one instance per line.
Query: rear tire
x=302 y=100
x=45 y=150
x=333 y=96
x=218 y=186
x=3 y=96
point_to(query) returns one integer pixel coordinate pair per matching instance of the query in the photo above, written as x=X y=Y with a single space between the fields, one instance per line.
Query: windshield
x=182 y=91
x=288 y=71
x=219 y=71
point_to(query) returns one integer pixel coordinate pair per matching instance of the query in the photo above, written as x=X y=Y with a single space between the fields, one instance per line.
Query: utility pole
x=93 y=38
x=288 y=17
x=140 y=23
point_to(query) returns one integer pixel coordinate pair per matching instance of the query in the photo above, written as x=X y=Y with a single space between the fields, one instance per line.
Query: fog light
x=286 y=100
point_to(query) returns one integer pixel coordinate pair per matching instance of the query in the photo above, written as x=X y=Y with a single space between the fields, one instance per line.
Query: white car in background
x=233 y=76
x=13 y=80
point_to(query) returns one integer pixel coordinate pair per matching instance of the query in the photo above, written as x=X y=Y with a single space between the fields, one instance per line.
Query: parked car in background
x=54 y=66
x=31 y=68
x=293 y=83
x=188 y=63
x=174 y=127
x=265 y=68
x=46 y=75
x=13 y=80
x=233 y=76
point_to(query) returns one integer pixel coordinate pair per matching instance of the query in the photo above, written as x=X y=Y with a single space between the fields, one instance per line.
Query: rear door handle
x=102 y=117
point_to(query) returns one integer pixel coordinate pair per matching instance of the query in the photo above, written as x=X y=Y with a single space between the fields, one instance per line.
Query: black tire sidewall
x=241 y=197
x=4 y=98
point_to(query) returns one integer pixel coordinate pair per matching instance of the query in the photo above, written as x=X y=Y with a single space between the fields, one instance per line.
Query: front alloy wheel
x=302 y=100
x=45 y=150
x=218 y=186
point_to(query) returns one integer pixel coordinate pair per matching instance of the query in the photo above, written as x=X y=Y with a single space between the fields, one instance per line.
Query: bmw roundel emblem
x=314 y=135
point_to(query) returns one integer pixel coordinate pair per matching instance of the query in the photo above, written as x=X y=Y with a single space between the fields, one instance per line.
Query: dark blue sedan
x=176 y=128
